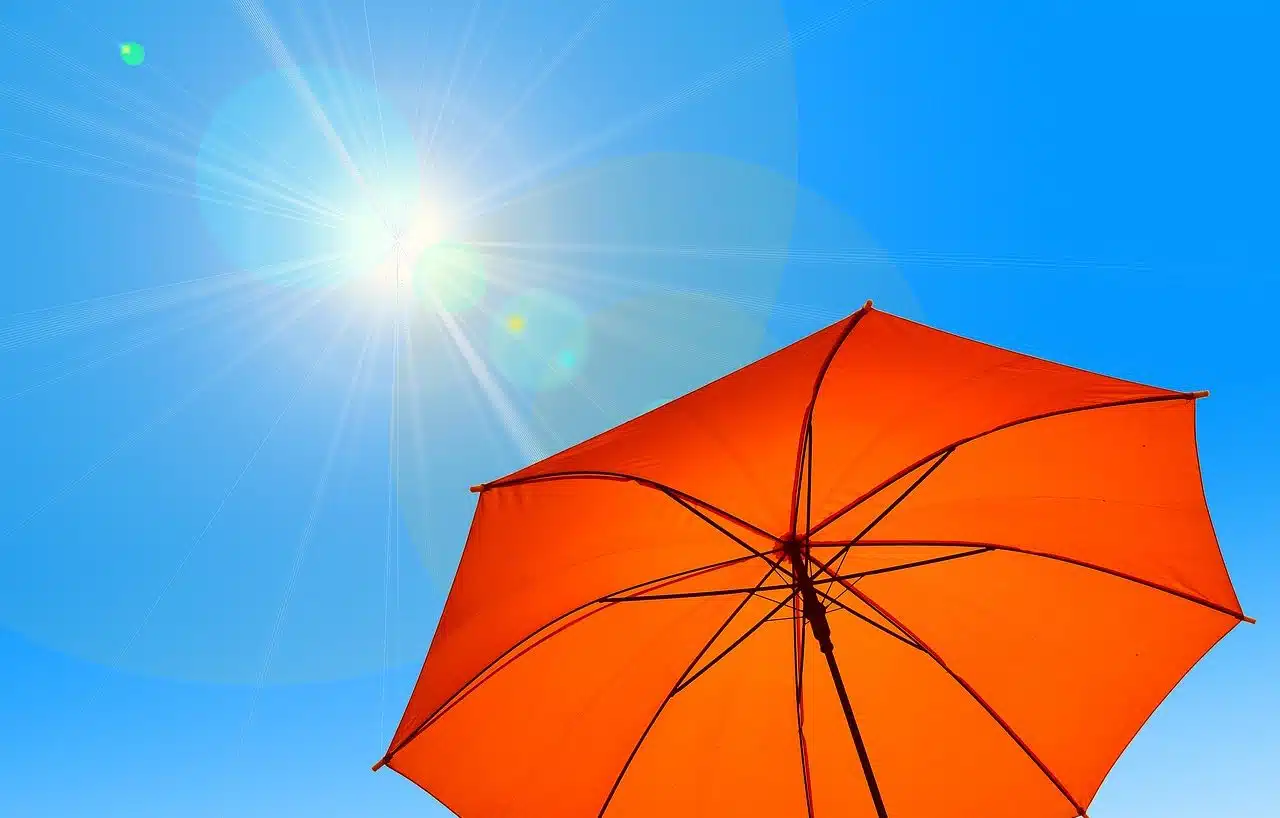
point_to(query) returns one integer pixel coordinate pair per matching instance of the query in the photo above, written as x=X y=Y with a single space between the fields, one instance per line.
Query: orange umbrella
x=885 y=571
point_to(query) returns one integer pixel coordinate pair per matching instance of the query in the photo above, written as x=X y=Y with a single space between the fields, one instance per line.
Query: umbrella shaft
x=863 y=759
x=814 y=612
x=816 y=615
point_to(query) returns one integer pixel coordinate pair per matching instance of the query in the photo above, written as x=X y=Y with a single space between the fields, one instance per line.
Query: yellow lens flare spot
x=539 y=340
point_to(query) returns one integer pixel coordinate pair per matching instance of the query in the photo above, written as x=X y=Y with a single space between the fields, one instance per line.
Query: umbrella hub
x=815 y=613
x=795 y=547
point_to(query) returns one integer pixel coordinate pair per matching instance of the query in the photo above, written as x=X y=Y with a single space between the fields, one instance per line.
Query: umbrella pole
x=816 y=615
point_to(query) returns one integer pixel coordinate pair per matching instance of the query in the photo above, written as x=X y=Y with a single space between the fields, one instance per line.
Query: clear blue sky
x=206 y=607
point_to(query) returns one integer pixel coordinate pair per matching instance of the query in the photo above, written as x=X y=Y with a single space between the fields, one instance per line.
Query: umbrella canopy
x=885 y=571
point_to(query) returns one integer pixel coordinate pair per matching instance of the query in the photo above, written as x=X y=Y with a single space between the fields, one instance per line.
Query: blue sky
x=208 y=603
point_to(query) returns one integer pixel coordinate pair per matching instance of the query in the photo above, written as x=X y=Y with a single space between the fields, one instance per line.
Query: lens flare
x=539 y=341
x=132 y=53
x=448 y=275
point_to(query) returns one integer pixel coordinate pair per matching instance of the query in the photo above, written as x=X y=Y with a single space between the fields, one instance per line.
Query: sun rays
x=528 y=277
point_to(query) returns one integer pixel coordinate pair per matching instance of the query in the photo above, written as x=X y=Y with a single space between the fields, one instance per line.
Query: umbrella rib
x=694 y=594
x=684 y=683
x=676 y=688
x=692 y=509
x=938 y=660
x=594 y=474
x=808 y=489
x=1013 y=549
x=506 y=657
x=839 y=555
x=797 y=647
x=840 y=512
x=644 y=597
x=858 y=614
x=976 y=549
x=806 y=426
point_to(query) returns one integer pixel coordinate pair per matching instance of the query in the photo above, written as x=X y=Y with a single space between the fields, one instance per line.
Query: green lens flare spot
x=132 y=53
x=451 y=274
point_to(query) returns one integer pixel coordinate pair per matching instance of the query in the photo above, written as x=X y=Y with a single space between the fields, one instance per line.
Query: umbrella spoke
x=843 y=510
x=686 y=505
x=844 y=606
x=938 y=660
x=776 y=600
x=839 y=555
x=780 y=617
x=690 y=594
x=808 y=494
x=806 y=427
x=904 y=566
x=685 y=682
x=797 y=646
x=981 y=547
x=595 y=474
x=556 y=626
x=761 y=590
x=680 y=685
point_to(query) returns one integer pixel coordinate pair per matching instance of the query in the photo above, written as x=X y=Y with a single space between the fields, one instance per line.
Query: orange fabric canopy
x=883 y=571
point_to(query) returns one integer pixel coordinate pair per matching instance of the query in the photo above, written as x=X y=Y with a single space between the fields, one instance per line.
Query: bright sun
x=384 y=235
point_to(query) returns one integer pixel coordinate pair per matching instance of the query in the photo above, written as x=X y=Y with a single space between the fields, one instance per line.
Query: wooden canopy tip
x=476 y=489
x=1203 y=393
x=1248 y=620
x=867 y=305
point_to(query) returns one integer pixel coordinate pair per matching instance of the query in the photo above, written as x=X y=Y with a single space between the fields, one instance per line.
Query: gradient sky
x=1091 y=182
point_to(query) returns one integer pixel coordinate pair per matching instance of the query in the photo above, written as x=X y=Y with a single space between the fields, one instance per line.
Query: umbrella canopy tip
x=476 y=489
x=1203 y=393
x=867 y=305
